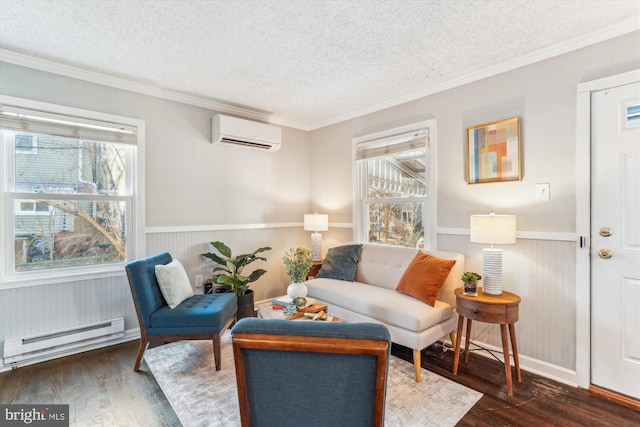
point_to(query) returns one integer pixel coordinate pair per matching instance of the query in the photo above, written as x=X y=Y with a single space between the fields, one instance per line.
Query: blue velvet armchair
x=310 y=373
x=200 y=317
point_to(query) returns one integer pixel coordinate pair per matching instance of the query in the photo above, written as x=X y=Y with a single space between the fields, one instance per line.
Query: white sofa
x=372 y=297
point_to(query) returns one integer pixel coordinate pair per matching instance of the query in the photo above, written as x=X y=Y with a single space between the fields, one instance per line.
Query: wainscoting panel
x=34 y=310
x=542 y=272
x=188 y=247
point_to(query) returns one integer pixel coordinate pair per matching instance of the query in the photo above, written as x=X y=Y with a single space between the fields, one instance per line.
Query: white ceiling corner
x=299 y=63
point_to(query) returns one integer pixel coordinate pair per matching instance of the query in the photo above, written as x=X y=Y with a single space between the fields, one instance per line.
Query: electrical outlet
x=542 y=191
x=198 y=280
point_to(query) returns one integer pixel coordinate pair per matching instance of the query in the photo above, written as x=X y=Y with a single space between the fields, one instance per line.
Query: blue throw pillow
x=341 y=263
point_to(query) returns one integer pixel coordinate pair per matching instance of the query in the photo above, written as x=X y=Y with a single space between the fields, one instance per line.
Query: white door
x=615 y=237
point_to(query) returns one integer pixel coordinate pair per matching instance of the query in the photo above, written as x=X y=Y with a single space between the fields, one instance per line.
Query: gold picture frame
x=493 y=152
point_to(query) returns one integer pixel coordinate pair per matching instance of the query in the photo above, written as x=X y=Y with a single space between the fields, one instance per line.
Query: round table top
x=505 y=298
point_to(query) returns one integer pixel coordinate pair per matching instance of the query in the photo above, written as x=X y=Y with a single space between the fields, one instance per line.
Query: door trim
x=583 y=217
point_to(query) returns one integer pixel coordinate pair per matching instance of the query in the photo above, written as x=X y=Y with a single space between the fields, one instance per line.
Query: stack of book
x=281 y=302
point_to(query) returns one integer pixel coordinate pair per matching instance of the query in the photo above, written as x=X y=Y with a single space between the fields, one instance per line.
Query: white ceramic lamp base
x=316 y=246
x=492 y=271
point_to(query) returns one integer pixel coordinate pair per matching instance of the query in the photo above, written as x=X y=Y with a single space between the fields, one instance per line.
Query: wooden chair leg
x=141 y=349
x=416 y=365
x=453 y=338
x=217 y=342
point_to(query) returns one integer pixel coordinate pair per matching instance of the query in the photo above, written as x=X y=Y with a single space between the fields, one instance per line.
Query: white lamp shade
x=493 y=229
x=316 y=222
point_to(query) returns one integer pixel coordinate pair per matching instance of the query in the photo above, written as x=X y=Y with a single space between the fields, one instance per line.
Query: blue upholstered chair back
x=311 y=388
x=142 y=274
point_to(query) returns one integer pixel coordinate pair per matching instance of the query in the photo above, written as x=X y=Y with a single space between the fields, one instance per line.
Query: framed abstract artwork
x=493 y=152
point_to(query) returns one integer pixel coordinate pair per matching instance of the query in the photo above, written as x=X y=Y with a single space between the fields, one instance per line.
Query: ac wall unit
x=235 y=132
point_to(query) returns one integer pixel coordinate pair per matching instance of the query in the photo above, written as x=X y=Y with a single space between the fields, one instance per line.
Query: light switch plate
x=542 y=191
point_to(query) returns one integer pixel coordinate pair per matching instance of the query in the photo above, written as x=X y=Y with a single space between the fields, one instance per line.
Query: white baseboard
x=529 y=364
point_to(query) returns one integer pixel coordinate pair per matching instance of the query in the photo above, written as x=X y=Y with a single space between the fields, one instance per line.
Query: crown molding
x=120 y=83
x=620 y=28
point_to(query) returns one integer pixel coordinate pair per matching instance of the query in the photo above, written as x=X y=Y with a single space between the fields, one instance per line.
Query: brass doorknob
x=606 y=232
x=605 y=253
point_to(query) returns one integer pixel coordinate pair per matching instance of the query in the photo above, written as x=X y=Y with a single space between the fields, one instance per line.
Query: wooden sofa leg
x=453 y=337
x=216 y=351
x=141 y=349
x=416 y=365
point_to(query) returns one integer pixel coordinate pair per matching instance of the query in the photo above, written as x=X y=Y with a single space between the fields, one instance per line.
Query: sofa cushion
x=174 y=283
x=209 y=312
x=383 y=265
x=341 y=263
x=384 y=305
x=424 y=277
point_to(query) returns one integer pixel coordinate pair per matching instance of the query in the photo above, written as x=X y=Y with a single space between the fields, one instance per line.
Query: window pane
x=397 y=224
x=71 y=233
x=633 y=116
x=26 y=143
x=398 y=175
x=70 y=166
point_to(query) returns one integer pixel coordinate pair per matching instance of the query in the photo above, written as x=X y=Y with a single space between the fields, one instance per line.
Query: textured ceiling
x=307 y=63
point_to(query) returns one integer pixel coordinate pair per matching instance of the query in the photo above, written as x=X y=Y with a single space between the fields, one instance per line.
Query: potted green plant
x=229 y=274
x=297 y=264
x=470 y=280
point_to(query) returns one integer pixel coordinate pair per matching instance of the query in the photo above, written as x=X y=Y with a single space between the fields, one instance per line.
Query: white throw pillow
x=174 y=283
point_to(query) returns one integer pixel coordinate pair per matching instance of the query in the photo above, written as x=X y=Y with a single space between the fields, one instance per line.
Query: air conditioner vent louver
x=234 y=132
x=248 y=144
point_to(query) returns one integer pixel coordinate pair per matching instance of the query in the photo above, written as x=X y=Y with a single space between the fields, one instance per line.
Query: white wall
x=195 y=193
x=189 y=180
x=541 y=268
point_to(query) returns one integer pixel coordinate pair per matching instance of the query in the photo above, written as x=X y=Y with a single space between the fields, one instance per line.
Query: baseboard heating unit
x=61 y=341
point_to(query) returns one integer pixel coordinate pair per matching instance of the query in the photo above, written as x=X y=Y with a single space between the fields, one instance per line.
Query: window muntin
x=69 y=202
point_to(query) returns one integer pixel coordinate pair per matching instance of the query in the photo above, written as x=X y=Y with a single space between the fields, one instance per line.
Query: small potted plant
x=470 y=280
x=297 y=264
x=229 y=274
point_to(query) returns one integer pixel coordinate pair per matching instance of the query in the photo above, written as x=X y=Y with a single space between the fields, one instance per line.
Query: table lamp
x=495 y=230
x=316 y=222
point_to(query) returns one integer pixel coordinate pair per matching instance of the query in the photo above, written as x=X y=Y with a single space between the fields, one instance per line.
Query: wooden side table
x=500 y=309
x=315 y=267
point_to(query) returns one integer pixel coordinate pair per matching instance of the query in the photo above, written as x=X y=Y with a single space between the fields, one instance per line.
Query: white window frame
x=430 y=209
x=135 y=218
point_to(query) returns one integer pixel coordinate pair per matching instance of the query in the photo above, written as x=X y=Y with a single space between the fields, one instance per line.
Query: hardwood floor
x=103 y=390
x=536 y=401
x=99 y=385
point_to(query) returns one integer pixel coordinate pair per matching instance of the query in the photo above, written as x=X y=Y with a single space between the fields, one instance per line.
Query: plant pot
x=245 y=305
x=471 y=288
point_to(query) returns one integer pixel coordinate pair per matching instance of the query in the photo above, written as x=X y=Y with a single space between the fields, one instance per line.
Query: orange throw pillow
x=424 y=277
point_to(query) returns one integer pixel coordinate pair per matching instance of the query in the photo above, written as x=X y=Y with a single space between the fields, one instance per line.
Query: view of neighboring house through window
x=68 y=182
x=393 y=190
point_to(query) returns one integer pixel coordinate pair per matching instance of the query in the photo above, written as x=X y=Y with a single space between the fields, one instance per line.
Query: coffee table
x=266 y=311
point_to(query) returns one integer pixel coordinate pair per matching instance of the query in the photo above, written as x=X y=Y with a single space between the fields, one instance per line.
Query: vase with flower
x=297 y=263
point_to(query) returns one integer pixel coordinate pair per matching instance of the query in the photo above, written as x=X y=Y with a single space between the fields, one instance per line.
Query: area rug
x=200 y=396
